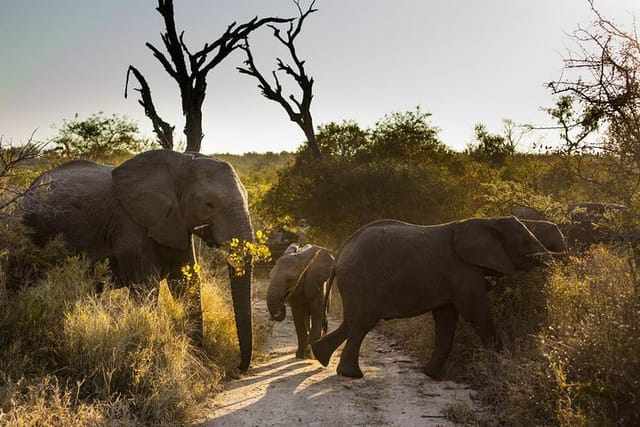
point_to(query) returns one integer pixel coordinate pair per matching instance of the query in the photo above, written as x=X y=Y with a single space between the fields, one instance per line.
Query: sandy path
x=285 y=391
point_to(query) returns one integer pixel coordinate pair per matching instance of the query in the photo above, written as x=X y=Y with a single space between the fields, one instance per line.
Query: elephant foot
x=321 y=352
x=304 y=353
x=433 y=372
x=349 y=371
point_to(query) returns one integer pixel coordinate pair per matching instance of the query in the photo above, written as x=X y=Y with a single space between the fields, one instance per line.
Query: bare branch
x=162 y=129
x=12 y=157
x=189 y=70
x=299 y=111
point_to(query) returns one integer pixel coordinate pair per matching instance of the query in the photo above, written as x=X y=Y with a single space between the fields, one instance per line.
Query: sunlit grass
x=73 y=357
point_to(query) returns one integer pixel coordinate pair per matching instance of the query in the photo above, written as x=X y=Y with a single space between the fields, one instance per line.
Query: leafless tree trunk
x=299 y=112
x=190 y=70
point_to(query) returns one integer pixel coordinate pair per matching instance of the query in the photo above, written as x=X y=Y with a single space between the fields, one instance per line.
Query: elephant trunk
x=275 y=302
x=241 y=297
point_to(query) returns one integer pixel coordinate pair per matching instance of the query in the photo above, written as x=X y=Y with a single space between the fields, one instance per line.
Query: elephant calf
x=391 y=269
x=298 y=278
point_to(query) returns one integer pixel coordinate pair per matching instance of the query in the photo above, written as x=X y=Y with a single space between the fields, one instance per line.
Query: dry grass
x=71 y=357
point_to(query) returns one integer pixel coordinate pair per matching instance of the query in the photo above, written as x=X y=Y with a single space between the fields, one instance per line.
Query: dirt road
x=285 y=391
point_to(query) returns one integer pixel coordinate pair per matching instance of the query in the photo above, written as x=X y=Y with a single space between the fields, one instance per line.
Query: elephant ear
x=478 y=242
x=147 y=187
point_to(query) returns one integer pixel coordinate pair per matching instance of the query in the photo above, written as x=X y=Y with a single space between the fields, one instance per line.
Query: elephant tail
x=327 y=298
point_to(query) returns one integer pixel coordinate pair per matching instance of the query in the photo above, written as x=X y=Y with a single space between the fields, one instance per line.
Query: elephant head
x=548 y=234
x=499 y=245
x=287 y=275
x=172 y=195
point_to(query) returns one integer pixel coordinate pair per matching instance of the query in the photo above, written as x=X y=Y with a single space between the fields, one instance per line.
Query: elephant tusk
x=200 y=227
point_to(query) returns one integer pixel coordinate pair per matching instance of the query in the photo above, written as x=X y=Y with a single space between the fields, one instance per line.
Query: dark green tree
x=345 y=139
x=406 y=135
x=99 y=137
x=490 y=148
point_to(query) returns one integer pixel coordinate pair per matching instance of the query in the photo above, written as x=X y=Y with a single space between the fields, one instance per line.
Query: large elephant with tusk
x=141 y=215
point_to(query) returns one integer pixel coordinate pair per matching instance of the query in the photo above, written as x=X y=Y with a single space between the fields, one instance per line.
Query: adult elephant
x=547 y=233
x=140 y=216
x=298 y=278
x=390 y=269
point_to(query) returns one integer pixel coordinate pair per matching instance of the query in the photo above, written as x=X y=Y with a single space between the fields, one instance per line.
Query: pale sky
x=464 y=61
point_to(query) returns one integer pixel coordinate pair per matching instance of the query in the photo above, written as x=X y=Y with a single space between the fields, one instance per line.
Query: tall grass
x=74 y=357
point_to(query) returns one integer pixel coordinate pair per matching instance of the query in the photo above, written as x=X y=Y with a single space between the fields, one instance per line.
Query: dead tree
x=299 y=112
x=598 y=106
x=162 y=129
x=190 y=70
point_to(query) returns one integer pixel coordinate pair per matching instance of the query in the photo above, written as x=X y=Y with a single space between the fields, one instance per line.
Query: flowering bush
x=245 y=252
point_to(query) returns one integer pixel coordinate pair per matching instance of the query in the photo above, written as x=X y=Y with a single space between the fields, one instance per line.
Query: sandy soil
x=285 y=391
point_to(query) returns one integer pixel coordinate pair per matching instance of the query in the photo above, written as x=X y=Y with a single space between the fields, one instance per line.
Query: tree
x=598 y=107
x=98 y=137
x=492 y=148
x=189 y=70
x=406 y=135
x=344 y=139
x=299 y=111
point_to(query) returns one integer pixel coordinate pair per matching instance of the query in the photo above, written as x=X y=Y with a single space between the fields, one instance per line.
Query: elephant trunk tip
x=279 y=315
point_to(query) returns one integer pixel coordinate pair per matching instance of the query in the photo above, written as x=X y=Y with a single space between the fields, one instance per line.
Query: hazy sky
x=464 y=61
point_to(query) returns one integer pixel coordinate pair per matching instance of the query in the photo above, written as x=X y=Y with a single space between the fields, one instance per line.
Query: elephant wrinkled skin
x=390 y=269
x=140 y=216
x=298 y=278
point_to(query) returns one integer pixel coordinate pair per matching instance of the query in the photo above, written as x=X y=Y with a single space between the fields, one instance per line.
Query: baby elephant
x=391 y=269
x=298 y=278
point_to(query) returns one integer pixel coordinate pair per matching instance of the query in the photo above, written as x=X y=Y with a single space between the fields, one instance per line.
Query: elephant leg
x=358 y=329
x=475 y=310
x=187 y=291
x=324 y=348
x=446 y=319
x=301 y=319
x=318 y=319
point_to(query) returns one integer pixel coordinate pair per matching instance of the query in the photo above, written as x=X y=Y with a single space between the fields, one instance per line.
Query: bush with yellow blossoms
x=243 y=252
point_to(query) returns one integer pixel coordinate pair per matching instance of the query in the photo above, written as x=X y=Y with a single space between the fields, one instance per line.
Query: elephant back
x=69 y=199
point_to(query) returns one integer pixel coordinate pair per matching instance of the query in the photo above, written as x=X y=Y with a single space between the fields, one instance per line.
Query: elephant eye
x=209 y=205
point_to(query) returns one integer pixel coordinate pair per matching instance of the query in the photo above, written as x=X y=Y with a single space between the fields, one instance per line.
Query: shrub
x=584 y=366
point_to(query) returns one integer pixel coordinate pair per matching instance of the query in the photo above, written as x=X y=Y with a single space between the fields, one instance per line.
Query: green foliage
x=490 y=148
x=367 y=176
x=343 y=140
x=405 y=135
x=98 y=137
